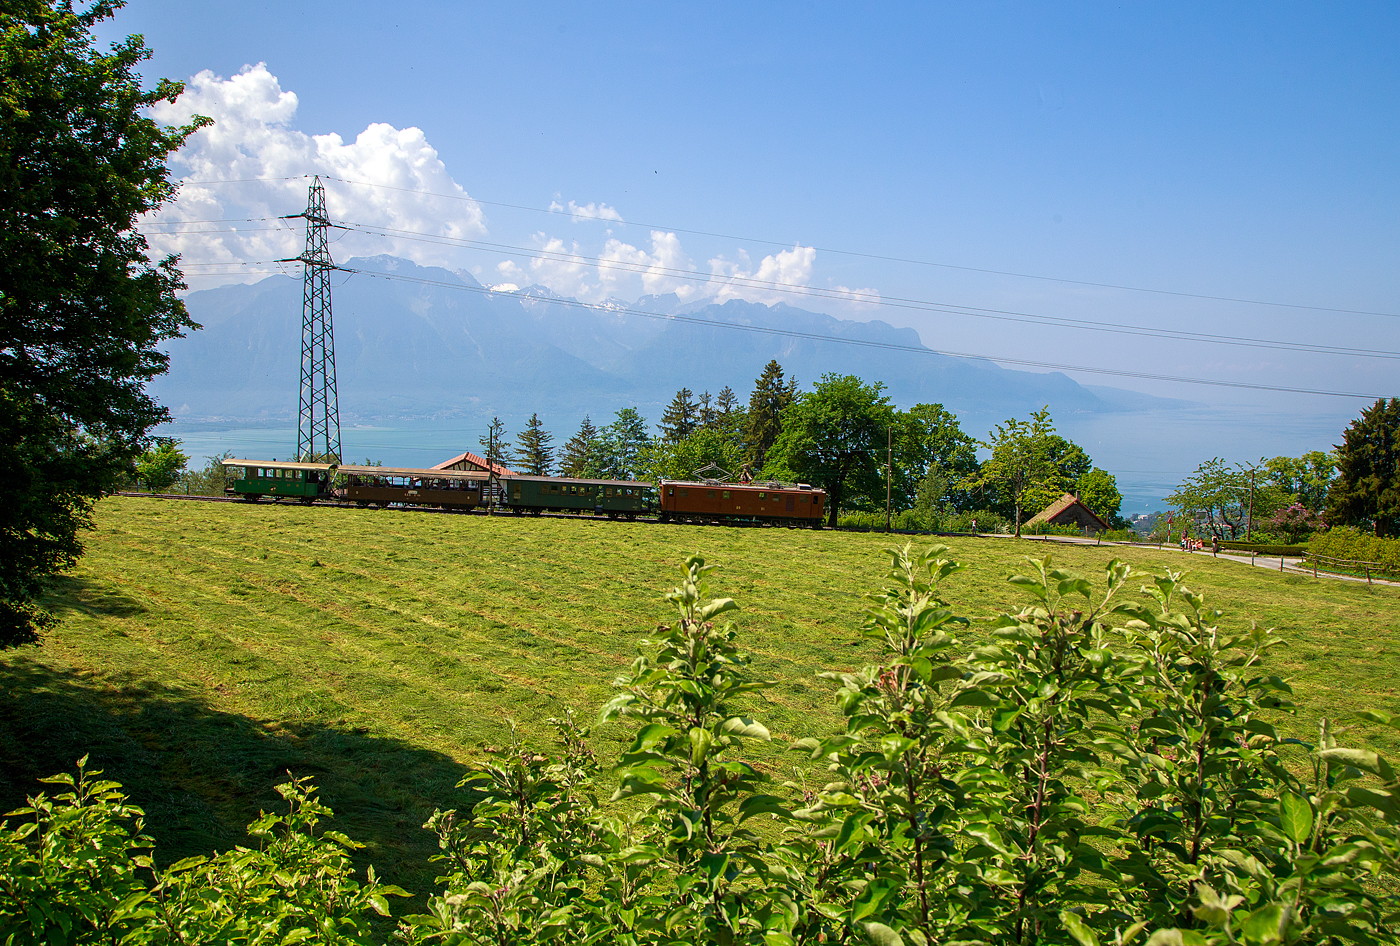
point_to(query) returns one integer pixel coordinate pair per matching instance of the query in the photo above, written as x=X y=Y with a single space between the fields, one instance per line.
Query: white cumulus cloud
x=588 y=211
x=253 y=139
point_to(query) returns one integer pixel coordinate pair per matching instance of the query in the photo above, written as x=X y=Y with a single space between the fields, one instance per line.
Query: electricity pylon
x=318 y=423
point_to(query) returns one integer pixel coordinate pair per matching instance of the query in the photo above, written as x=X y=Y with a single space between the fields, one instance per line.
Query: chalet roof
x=477 y=461
x=1061 y=505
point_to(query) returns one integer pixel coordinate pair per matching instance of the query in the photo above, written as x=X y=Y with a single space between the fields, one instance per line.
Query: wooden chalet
x=471 y=461
x=1069 y=510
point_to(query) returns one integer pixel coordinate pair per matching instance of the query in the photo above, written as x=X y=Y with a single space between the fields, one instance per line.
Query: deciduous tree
x=82 y=309
x=1021 y=460
x=835 y=436
x=159 y=467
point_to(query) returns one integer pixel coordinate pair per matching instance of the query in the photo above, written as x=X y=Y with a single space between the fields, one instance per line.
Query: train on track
x=703 y=500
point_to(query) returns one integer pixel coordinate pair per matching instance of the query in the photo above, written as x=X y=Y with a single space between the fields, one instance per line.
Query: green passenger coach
x=614 y=498
x=254 y=479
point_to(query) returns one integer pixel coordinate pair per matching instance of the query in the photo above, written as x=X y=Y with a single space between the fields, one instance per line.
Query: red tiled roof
x=477 y=461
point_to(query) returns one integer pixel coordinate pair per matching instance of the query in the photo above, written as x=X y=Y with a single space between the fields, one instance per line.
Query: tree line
x=844 y=435
x=1356 y=484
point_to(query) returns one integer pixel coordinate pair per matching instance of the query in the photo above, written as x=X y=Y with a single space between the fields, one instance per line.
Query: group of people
x=1190 y=544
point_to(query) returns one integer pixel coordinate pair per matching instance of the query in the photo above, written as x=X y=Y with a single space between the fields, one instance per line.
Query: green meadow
x=205 y=650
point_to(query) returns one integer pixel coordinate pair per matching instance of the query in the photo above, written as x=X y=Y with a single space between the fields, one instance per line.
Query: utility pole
x=889 y=472
x=318 y=413
x=1249 y=520
x=490 y=469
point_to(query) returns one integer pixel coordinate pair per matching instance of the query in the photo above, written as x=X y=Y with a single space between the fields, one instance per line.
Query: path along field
x=205 y=649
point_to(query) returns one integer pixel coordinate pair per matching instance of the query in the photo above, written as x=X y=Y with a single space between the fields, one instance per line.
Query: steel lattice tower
x=318 y=426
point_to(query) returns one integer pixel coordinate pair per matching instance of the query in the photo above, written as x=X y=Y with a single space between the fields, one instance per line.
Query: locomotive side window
x=726 y=494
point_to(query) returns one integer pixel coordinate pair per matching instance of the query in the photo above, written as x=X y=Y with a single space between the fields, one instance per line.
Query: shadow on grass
x=202 y=775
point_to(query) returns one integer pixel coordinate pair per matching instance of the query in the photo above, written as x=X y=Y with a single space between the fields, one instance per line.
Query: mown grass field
x=204 y=649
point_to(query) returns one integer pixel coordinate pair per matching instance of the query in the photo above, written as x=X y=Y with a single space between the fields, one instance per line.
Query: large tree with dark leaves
x=82 y=309
x=1366 y=491
x=836 y=435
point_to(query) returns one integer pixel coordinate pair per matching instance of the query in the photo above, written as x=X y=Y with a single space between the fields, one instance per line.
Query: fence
x=1348 y=566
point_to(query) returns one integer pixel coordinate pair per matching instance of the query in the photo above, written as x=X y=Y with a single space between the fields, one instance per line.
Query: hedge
x=1349 y=543
x=1265 y=549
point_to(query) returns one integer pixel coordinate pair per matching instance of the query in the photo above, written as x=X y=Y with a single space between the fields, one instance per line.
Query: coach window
x=760 y=495
x=726 y=494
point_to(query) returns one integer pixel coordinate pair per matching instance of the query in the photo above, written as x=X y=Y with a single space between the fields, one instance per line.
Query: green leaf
x=717 y=607
x=762 y=805
x=1296 y=816
x=700 y=743
x=1266 y=924
x=1076 y=927
x=744 y=727
x=882 y=935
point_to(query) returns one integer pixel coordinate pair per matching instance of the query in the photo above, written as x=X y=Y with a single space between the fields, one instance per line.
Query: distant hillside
x=410 y=351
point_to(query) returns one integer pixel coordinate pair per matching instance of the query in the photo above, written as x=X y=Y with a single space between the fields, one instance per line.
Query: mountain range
x=417 y=343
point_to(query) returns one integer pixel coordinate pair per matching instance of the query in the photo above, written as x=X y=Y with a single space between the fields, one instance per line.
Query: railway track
x=325 y=504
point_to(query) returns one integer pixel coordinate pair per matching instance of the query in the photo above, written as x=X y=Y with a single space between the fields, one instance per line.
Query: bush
x=1094 y=771
x=1351 y=543
x=1264 y=548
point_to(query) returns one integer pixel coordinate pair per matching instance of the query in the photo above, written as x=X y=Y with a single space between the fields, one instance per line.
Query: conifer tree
x=1367 y=489
x=679 y=420
x=534 y=455
x=726 y=403
x=582 y=452
x=493 y=445
x=705 y=411
x=764 y=422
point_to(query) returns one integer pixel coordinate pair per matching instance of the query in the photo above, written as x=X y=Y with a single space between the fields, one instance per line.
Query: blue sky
x=1240 y=150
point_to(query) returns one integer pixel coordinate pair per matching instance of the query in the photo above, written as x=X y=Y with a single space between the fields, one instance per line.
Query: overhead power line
x=887 y=346
x=836 y=250
x=898 y=302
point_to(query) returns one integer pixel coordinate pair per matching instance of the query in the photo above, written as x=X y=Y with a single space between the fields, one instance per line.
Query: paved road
x=1291 y=564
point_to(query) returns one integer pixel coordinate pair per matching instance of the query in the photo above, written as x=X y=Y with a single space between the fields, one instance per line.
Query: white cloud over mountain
x=252 y=167
x=252 y=140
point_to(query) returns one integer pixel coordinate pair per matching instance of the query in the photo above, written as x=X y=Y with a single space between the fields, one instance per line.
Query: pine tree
x=534 y=455
x=493 y=445
x=764 y=422
x=679 y=419
x=727 y=403
x=582 y=452
x=1367 y=489
x=705 y=412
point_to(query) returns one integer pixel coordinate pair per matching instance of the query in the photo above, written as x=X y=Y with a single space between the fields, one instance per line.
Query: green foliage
x=1021 y=466
x=702 y=447
x=1091 y=769
x=623 y=445
x=534 y=455
x=835 y=436
x=494 y=447
x=1220 y=494
x=583 y=453
x=79 y=870
x=763 y=421
x=1306 y=479
x=1296 y=521
x=680 y=418
x=208 y=480
x=933 y=456
x=83 y=311
x=1099 y=491
x=1358 y=546
x=158 y=468
x=1367 y=489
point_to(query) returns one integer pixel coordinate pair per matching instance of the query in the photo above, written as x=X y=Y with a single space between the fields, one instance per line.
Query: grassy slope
x=205 y=649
